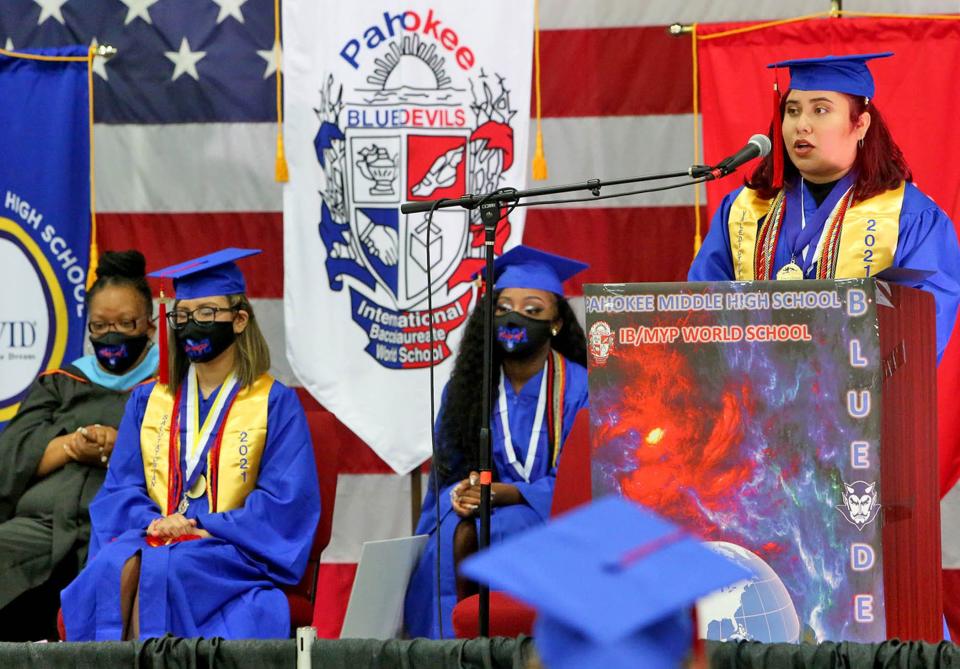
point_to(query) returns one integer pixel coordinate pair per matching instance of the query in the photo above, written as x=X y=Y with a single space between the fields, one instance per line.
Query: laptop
x=375 y=609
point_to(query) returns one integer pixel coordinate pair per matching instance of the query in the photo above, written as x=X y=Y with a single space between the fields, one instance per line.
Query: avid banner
x=391 y=102
x=45 y=217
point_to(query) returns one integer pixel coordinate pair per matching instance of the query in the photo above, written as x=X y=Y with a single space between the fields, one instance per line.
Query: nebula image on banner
x=746 y=442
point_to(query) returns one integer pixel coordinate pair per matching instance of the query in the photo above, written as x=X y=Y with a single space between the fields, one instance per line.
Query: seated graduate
x=539 y=359
x=55 y=450
x=839 y=203
x=211 y=501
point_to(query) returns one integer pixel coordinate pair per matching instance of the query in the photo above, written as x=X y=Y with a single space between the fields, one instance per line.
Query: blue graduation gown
x=927 y=240
x=420 y=608
x=225 y=586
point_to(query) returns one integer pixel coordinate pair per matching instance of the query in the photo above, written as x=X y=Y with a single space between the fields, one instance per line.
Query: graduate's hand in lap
x=172 y=526
x=465 y=496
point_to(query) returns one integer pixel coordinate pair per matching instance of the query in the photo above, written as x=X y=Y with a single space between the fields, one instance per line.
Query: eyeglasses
x=123 y=326
x=201 y=316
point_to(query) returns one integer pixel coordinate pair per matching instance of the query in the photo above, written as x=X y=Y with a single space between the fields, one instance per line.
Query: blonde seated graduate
x=835 y=198
x=54 y=452
x=211 y=500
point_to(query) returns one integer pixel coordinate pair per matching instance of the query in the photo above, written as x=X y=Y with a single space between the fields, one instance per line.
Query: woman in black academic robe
x=55 y=451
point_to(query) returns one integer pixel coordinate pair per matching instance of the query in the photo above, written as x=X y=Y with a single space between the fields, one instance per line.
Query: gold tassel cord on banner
x=281 y=170
x=697 y=234
x=880 y=15
x=539 y=165
x=678 y=29
x=768 y=24
x=49 y=59
x=107 y=52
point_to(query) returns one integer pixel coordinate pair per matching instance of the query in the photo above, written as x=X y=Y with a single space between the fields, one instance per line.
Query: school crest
x=411 y=128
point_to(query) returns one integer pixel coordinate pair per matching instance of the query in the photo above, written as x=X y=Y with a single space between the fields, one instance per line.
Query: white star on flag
x=273 y=57
x=9 y=45
x=230 y=8
x=50 y=9
x=137 y=9
x=185 y=60
x=99 y=62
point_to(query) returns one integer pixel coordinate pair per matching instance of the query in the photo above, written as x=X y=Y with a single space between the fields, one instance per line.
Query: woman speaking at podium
x=540 y=357
x=839 y=204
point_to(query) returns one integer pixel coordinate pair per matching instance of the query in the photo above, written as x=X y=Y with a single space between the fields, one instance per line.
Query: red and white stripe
x=617 y=101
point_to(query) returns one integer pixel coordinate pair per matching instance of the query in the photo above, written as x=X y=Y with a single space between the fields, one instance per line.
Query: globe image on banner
x=755 y=609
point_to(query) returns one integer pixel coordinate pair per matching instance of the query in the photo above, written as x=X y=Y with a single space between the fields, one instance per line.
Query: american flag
x=185 y=141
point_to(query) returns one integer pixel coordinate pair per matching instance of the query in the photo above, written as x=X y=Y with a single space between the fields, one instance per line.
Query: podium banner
x=386 y=103
x=749 y=413
x=45 y=217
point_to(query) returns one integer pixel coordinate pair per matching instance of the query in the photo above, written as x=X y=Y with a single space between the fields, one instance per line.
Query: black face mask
x=520 y=335
x=117 y=352
x=203 y=343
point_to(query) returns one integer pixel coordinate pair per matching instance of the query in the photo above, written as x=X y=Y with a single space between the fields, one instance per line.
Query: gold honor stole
x=859 y=244
x=233 y=462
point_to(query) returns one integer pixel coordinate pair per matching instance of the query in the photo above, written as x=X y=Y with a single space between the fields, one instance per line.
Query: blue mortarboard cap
x=843 y=74
x=612 y=582
x=213 y=274
x=527 y=267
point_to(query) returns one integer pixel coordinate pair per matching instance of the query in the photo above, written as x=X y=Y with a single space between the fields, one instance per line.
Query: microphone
x=757 y=146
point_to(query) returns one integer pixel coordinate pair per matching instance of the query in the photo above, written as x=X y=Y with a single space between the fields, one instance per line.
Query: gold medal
x=790 y=272
x=198 y=488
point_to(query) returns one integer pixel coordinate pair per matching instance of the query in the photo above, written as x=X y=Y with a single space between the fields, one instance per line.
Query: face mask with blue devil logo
x=118 y=352
x=520 y=336
x=203 y=343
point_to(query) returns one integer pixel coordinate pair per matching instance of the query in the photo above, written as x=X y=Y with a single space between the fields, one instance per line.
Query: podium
x=791 y=424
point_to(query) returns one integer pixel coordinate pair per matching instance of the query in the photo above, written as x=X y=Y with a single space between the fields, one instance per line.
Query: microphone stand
x=490 y=205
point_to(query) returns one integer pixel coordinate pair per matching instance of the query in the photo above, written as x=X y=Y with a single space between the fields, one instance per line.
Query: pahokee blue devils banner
x=45 y=217
x=395 y=101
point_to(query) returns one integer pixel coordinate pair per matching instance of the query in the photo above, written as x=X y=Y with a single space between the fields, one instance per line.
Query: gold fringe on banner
x=94 y=251
x=697 y=234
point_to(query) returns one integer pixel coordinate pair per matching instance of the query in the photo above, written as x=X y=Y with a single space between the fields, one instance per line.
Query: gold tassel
x=539 y=157
x=281 y=172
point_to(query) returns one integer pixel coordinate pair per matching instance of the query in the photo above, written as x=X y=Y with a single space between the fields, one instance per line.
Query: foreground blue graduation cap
x=843 y=74
x=213 y=274
x=612 y=582
x=527 y=267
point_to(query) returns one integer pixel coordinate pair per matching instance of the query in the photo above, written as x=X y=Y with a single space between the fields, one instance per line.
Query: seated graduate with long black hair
x=541 y=381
